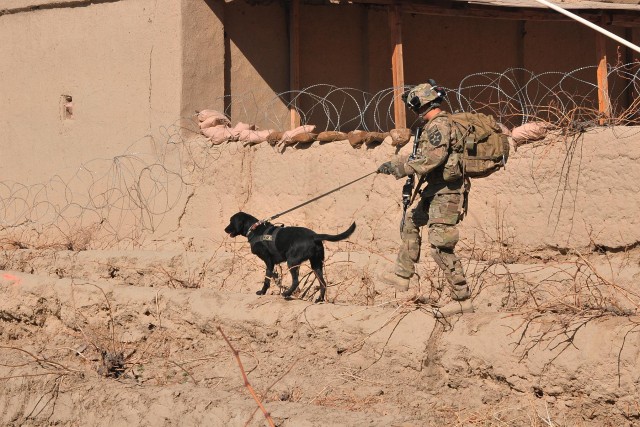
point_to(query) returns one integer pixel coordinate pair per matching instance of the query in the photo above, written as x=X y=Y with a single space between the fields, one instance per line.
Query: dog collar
x=253 y=227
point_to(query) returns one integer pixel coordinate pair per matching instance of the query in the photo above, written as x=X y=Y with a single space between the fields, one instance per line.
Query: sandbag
x=304 y=137
x=528 y=132
x=400 y=137
x=286 y=137
x=239 y=127
x=217 y=134
x=221 y=117
x=356 y=137
x=253 y=137
x=374 y=137
x=214 y=121
x=274 y=137
x=330 y=136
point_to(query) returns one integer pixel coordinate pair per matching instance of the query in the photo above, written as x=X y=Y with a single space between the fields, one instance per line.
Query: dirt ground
x=161 y=334
x=122 y=342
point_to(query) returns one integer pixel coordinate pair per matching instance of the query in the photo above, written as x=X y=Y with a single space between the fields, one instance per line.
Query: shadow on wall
x=334 y=50
x=256 y=62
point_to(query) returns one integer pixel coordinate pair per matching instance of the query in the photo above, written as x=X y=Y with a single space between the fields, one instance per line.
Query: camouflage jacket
x=434 y=146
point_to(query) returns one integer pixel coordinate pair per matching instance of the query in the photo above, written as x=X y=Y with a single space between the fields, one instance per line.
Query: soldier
x=441 y=204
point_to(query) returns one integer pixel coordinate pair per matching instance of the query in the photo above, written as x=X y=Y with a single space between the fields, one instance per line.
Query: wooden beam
x=397 y=65
x=294 y=61
x=603 y=85
x=467 y=11
x=462 y=9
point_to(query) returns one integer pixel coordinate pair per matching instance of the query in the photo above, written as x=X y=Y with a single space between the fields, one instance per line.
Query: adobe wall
x=120 y=63
x=135 y=68
x=558 y=195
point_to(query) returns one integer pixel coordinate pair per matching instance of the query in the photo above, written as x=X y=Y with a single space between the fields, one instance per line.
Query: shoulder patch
x=434 y=135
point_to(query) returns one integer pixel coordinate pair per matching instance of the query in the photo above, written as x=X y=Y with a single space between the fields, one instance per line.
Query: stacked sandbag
x=274 y=137
x=221 y=133
x=374 y=138
x=248 y=134
x=302 y=134
x=358 y=137
x=530 y=132
x=399 y=137
x=253 y=136
x=210 y=118
x=330 y=136
x=217 y=127
x=218 y=134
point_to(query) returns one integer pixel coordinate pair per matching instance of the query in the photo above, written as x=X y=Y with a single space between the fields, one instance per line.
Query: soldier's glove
x=397 y=170
x=401 y=170
x=386 y=168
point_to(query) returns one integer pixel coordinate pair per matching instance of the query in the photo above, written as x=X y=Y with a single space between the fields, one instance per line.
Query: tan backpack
x=485 y=149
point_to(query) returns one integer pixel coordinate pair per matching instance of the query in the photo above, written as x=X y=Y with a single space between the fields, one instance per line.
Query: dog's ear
x=238 y=223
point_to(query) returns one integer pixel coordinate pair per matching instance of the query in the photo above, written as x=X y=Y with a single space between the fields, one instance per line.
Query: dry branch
x=246 y=380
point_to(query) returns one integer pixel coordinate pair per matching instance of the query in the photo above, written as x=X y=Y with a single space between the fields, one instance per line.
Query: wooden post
x=628 y=59
x=294 y=60
x=603 y=86
x=397 y=65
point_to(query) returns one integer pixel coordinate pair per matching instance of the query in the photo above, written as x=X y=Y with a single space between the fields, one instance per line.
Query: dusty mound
x=101 y=352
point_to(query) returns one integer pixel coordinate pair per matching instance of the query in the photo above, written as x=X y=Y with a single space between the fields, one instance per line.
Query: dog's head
x=239 y=224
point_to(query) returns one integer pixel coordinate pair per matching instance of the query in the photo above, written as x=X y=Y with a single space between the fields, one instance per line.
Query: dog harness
x=268 y=237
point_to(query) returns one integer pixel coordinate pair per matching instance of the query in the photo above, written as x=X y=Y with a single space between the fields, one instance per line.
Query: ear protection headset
x=414 y=102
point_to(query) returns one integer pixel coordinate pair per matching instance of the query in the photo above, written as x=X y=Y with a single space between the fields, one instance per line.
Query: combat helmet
x=424 y=94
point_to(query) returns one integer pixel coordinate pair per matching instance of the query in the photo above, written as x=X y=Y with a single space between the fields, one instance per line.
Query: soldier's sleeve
x=434 y=147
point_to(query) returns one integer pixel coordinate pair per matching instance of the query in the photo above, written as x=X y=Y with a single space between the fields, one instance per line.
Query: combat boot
x=453 y=308
x=460 y=290
x=401 y=284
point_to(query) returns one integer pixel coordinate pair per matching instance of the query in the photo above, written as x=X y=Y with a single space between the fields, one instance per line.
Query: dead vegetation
x=160 y=352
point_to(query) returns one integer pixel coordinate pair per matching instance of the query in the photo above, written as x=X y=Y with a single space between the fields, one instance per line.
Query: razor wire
x=121 y=201
x=515 y=96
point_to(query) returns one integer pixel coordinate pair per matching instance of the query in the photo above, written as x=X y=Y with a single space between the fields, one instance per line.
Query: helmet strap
x=431 y=106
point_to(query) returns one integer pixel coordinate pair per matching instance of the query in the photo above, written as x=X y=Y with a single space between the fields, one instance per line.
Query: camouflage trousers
x=440 y=213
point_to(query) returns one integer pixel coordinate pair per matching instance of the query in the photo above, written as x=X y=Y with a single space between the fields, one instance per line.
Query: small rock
x=284 y=396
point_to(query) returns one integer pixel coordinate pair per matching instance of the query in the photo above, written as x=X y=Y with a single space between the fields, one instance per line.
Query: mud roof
x=529 y=4
x=624 y=13
x=567 y=4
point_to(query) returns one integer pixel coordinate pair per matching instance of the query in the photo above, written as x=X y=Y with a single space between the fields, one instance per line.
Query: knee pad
x=444 y=237
x=436 y=254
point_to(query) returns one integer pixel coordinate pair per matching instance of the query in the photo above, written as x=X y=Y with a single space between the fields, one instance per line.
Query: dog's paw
x=286 y=295
x=319 y=300
x=261 y=292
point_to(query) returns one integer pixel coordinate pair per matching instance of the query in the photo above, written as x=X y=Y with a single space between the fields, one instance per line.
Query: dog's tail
x=336 y=237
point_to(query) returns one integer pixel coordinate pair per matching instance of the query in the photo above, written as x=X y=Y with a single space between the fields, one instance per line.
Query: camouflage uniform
x=441 y=206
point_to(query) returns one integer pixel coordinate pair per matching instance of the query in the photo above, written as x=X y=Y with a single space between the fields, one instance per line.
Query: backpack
x=485 y=149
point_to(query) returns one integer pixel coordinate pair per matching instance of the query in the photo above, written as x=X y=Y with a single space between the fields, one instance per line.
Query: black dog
x=275 y=244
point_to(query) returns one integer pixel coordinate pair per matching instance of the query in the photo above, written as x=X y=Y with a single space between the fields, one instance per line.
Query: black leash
x=312 y=200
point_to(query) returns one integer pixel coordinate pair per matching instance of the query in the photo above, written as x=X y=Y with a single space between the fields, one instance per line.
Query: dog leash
x=271 y=218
